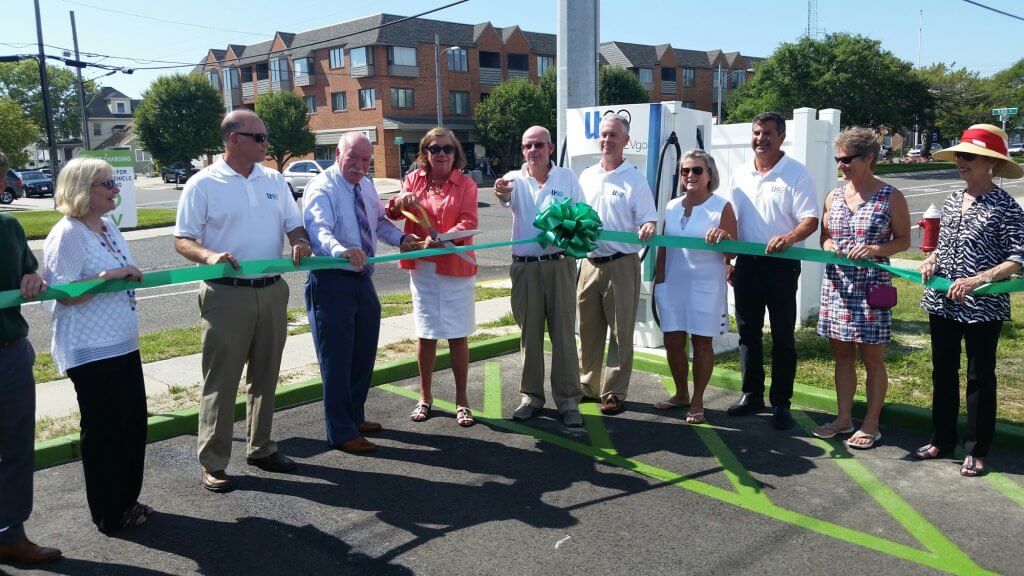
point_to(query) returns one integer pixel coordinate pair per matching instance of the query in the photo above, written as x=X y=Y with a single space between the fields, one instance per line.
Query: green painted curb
x=162 y=426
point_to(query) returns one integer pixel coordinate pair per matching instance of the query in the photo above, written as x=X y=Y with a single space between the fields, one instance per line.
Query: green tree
x=287 y=122
x=961 y=98
x=20 y=82
x=501 y=119
x=549 y=87
x=16 y=131
x=179 y=118
x=619 y=86
x=871 y=86
x=1006 y=89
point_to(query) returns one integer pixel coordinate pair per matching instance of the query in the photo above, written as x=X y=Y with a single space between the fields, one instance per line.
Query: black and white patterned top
x=989 y=233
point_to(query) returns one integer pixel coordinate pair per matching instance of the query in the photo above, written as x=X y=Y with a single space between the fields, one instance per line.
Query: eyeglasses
x=257 y=137
x=965 y=156
x=537 y=145
x=846 y=159
x=108 y=184
x=435 y=149
x=697 y=171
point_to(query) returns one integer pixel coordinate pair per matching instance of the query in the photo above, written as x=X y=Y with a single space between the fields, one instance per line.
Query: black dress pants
x=981 y=339
x=112 y=401
x=764 y=283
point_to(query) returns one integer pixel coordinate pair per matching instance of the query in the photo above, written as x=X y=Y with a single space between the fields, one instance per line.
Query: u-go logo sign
x=592 y=121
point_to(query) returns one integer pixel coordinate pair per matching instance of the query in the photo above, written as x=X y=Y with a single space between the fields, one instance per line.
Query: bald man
x=231 y=211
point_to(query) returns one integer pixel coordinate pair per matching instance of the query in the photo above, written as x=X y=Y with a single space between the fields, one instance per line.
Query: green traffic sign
x=399 y=140
x=1004 y=111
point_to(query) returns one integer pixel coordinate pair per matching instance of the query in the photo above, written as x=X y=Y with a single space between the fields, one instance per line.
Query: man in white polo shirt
x=776 y=204
x=235 y=209
x=543 y=281
x=609 y=283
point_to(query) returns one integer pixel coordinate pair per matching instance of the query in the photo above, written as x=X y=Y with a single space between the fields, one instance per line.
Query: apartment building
x=377 y=75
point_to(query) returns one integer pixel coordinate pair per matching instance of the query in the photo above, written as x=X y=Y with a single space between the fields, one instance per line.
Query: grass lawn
x=908 y=357
x=37 y=223
x=883 y=169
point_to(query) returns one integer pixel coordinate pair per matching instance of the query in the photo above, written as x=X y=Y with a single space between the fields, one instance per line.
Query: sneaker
x=525 y=411
x=572 y=418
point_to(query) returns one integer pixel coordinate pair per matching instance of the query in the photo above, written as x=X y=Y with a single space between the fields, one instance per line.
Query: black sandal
x=925 y=452
x=970 y=469
x=135 y=515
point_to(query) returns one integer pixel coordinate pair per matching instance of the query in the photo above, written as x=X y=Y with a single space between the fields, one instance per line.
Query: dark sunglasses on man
x=257 y=137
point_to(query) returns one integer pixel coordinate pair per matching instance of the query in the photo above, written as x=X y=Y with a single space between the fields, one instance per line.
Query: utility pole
x=437 y=77
x=81 y=85
x=45 y=85
x=720 y=82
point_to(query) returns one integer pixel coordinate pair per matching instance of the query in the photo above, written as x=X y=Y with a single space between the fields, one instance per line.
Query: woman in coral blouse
x=442 y=286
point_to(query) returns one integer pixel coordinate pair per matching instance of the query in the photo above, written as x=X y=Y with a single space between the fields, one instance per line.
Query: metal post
x=81 y=85
x=578 y=49
x=719 y=93
x=45 y=86
x=437 y=77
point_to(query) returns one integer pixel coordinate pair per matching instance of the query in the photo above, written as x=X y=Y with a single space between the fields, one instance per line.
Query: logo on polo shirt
x=617 y=193
x=271 y=196
x=557 y=193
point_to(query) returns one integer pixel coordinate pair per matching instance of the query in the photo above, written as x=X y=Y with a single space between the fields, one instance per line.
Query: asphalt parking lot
x=641 y=492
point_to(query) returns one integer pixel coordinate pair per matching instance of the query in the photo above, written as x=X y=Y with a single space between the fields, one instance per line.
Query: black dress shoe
x=276 y=462
x=781 y=418
x=747 y=404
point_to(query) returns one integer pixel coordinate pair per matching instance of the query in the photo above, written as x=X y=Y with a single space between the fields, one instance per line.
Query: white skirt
x=442 y=305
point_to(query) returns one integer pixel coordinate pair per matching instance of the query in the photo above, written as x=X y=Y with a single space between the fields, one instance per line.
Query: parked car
x=1017 y=148
x=13 y=188
x=36 y=183
x=178 y=173
x=298 y=173
x=915 y=152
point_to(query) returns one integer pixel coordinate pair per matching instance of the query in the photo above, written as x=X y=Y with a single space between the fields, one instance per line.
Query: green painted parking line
x=912 y=521
x=596 y=429
x=492 y=390
x=1008 y=487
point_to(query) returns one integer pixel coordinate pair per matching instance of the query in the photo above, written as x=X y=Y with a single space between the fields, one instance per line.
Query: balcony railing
x=262 y=86
x=519 y=74
x=361 y=71
x=668 y=87
x=396 y=70
x=232 y=98
x=490 y=76
x=283 y=85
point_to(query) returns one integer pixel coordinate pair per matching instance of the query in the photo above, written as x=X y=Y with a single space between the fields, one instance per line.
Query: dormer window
x=121 y=108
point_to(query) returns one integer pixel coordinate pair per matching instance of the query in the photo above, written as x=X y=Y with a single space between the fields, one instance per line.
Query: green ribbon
x=571 y=226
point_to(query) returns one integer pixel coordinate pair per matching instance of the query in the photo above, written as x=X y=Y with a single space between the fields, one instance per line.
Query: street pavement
x=638 y=493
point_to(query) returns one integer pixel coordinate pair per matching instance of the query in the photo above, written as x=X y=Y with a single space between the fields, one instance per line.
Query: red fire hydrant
x=930 y=225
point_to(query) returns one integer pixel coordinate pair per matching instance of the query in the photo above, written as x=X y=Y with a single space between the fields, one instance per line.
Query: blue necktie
x=365 y=238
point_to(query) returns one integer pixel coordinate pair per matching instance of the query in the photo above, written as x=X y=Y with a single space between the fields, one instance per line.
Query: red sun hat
x=989 y=141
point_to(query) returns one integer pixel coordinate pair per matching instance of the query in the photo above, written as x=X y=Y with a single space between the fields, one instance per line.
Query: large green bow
x=571 y=226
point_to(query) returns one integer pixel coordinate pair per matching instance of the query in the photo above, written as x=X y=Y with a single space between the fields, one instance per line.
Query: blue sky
x=953 y=30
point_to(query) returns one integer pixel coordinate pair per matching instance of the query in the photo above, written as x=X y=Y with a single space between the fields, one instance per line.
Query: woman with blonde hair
x=96 y=342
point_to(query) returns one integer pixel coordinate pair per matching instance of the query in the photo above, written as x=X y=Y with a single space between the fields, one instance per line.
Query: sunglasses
x=257 y=137
x=435 y=149
x=697 y=171
x=537 y=145
x=965 y=156
x=108 y=184
x=846 y=159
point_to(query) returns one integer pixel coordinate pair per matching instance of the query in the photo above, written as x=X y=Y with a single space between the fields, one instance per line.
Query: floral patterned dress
x=845 y=314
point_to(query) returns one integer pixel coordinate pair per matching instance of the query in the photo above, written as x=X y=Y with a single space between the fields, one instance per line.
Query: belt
x=246 y=282
x=343 y=272
x=555 y=256
x=606 y=259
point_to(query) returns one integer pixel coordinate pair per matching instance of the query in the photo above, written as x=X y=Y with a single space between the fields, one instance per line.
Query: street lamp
x=724 y=80
x=437 y=74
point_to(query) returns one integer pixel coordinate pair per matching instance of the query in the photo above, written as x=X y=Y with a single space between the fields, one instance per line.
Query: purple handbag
x=881 y=296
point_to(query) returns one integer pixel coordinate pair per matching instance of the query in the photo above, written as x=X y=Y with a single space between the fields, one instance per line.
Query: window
x=543 y=63
x=646 y=75
x=230 y=78
x=459 y=102
x=687 y=74
x=718 y=77
x=310 y=103
x=303 y=68
x=339 y=101
x=262 y=71
x=337 y=57
x=359 y=57
x=367 y=96
x=97 y=129
x=120 y=108
x=278 y=70
x=401 y=56
x=484 y=96
x=212 y=77
x=668 y=74
x=490 y=59
x=142 y=156
x=519 y=62
x=402 y=98
x=739 y=78
x=458 y=60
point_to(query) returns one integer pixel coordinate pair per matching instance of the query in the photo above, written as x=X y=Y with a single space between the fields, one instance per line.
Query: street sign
x=1004 y=111
x=399 y=140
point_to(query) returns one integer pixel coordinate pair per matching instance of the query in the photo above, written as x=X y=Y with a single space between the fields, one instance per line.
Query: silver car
x=299 y=173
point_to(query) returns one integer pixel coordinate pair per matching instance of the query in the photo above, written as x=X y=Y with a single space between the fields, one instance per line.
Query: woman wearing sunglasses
x=96 y=342
x=981 y=241
x=690 y=285
x=863 y=219
x=443 y=287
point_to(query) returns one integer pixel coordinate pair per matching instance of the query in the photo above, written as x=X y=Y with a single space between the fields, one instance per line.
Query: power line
x=161 y=19
x=997 y=11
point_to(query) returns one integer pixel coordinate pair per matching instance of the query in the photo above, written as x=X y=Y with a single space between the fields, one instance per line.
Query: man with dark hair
x=776 y=204
x=17 y=397
x=235 y=209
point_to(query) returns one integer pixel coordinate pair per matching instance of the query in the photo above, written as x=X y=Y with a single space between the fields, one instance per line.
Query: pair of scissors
x=423 y=220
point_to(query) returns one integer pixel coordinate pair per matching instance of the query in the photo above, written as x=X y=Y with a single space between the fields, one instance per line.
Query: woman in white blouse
x=96 y=342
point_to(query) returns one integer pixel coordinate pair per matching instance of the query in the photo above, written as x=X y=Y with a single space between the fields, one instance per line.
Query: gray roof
x=692 y=58
x=542 y=43
x=118 y=139
x=97 y=107
x=630 y=55
x=256 y=52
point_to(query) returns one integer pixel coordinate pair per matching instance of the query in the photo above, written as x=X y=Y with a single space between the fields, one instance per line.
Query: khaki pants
x=241 y=325
x=546 y=291
x=608 y=298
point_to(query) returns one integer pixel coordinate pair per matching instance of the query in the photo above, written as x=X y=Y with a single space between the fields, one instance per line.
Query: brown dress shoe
x=368 y=426
x=612 y=405
x=357 y=445
x=276 y=462
x=217 y=481
x=24 y=551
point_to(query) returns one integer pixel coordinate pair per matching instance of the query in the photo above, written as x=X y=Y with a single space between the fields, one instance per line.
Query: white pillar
x=577 y=50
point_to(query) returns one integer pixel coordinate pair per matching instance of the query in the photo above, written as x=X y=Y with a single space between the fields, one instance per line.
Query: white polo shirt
x=227 y=212
x=622 y=199
x=529 y=198
x=772 y=204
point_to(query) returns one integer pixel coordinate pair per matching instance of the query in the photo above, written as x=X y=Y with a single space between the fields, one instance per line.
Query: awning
x=332 y=137
x=426 y=123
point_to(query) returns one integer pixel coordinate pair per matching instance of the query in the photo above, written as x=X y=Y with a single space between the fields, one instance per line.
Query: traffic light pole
x=45 y=86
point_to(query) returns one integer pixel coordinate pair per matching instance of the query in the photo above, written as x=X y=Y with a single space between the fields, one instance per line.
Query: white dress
x=443 y=306
x=693 y=298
